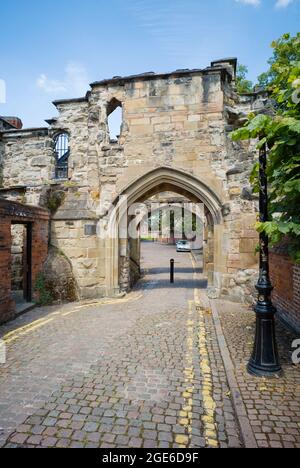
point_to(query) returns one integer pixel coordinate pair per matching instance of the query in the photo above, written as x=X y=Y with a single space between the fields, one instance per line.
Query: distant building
x=10 y=123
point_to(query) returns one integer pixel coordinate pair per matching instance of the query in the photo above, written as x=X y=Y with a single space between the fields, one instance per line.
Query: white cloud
x=250 y=2
x=283 y=3
x=50 y=86
x=75 y=81
x=279 y=3
x=171 y=25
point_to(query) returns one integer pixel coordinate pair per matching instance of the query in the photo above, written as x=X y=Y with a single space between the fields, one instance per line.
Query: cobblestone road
x=141 y=372
x=149 y=370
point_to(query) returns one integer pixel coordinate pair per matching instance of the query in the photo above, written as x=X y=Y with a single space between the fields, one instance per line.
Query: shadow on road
x=162 y=270
x=180 y=283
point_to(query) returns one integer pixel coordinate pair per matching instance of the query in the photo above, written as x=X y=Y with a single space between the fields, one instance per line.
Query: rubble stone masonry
x=174 y=137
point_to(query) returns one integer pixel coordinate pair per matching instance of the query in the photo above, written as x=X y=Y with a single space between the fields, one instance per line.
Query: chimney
x=229 y=63
x=14 y=122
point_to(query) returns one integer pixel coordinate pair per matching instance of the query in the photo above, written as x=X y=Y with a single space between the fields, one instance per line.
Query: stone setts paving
x=273 y=405
x=146 y=371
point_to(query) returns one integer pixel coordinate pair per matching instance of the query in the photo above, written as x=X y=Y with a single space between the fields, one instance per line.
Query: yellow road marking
x=209 y=405
x=22 y=328
x=22 y=331
x=186 y=414
x=26 y=328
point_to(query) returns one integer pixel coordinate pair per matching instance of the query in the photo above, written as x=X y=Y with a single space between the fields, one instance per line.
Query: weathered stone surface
x=59 y=277
x=17 y=247
x=176 y=124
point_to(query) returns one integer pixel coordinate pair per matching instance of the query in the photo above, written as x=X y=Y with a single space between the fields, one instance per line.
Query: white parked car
x=183 y=246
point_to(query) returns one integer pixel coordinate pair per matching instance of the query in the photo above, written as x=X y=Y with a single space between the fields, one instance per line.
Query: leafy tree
x=285 y=51
x=281 y=133
x=243 y=85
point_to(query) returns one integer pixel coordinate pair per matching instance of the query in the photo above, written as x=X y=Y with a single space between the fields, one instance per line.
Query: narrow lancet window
x=115 y=119
x=62 y=153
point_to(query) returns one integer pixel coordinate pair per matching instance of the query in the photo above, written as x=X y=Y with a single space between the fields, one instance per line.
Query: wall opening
x=62 y=153
x=155 y=227
x=21 y=248
x=114 y=120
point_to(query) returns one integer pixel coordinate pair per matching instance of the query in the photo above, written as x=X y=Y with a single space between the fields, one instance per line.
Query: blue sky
x=53 y=49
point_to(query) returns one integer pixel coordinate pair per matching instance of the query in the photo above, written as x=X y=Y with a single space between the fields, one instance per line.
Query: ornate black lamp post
x=264 y=361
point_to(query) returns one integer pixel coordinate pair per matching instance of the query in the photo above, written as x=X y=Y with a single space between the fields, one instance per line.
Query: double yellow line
x=26 y=329
x=186 y=413
x=209 y=405
x=14 y=335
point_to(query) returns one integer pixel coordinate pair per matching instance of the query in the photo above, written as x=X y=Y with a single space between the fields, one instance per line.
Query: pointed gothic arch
x=158 y=180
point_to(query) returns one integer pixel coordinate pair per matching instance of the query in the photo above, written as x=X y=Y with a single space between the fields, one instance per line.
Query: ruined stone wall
x=27 y=158
x=180 y=121
x=77 y=240
x=59 y=278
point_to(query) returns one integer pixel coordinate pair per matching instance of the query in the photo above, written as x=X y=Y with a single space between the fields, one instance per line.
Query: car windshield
x=183 y=242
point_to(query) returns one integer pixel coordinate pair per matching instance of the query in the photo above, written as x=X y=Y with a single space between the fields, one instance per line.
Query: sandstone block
x=139 y=130
x=161 y=120
x=248 y=245
x=139 y=121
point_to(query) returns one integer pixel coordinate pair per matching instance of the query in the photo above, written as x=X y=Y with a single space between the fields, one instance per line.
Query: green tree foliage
x=242 y=84
x=281 y=133
x=285 y=51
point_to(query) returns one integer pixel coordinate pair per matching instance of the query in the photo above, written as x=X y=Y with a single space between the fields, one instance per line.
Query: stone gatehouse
x=174 y=138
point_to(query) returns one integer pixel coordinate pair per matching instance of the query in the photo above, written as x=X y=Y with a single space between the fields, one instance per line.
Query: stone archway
x=156 y=181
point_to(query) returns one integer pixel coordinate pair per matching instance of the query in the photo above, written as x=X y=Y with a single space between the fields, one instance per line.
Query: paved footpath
x=272 y=405
x=144 y=371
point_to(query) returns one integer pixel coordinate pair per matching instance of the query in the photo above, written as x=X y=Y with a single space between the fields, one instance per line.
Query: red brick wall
x=40 y=233
x=286 y=296
x=7 y=310
x=15 y=212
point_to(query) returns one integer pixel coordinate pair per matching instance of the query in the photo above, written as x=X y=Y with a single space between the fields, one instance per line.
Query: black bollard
x=172 y=263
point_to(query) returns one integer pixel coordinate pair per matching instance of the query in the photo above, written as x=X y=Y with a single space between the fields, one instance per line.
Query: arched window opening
x=62 y=153
x=115 y=119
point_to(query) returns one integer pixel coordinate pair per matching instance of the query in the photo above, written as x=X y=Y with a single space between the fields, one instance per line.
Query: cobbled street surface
x=273 y=405
x=140 y=372
x=143 y=371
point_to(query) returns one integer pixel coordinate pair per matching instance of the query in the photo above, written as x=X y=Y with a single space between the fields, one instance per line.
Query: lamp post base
x=265 y=361
x=261 y=371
